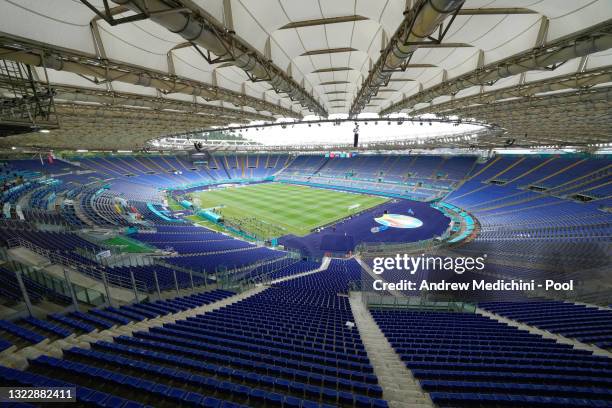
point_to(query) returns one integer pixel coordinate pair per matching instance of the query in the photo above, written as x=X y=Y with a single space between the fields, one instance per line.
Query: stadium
x=306 y=204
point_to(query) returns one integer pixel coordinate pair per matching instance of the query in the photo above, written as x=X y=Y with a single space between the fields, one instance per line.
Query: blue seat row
x=342 y=380
x=466 y=360
x=21 y=332
x=69 y=321
x=84 y=395
x=510 y=388
x=48 y=326
x=482 y=399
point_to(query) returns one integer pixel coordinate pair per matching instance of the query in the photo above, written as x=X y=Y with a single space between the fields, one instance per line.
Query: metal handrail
x=93 y=271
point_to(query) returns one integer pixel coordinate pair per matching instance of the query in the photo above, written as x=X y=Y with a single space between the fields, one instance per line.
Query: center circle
x=399 y=221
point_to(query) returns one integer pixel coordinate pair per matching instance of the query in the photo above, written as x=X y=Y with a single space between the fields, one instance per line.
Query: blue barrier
x=469 y=221
x=352 y=190
x=209 y=215
x=160 y=214
x=189 y=186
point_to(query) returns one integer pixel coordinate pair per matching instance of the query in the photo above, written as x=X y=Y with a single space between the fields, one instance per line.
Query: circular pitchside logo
x=396 y=221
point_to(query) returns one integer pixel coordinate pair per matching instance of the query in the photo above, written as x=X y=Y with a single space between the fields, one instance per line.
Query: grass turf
x=173 y=205
x=128 y=245
x=204 y=223
x=272 y=209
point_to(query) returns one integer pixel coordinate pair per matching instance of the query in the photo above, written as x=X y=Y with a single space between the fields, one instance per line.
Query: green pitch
x=273 y=209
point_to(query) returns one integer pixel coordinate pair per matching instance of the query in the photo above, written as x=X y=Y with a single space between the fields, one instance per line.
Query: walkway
x=400 y=388
x=19 y=359
x=546 y=334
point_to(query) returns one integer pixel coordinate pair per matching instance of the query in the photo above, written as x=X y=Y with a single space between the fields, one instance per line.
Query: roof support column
x=228 y=17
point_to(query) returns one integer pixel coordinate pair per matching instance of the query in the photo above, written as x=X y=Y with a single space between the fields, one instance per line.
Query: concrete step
x=19 y=358
x=400 y=389
x=546 y=334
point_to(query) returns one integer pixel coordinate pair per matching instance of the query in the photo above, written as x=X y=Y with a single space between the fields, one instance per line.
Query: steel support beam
x=114 y=98
x=495 y=11
x=110 y=127
x=573 y=118
x=595 y=39
x=446 y=45
x=419 y=23
x=202 y=30
x=101 y=112
x=399 y=120
x=323 y=21
x=332 y=69
x=102 y=71
x=461 y=140
x=335 y=83
x=328 y=51
x=580 y=80
x=603 y=95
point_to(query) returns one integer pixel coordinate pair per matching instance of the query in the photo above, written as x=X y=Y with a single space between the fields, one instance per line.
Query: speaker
x=356 y=139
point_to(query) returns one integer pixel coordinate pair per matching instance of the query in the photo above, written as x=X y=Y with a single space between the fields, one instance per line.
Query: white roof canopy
x=327 y=47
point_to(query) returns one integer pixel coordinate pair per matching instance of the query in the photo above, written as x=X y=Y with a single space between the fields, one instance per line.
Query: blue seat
x=113 y=402
x=330 y=395
x=176 y=394
x=361 y=401
x=227 y=404
x=146 y=385
x=297 y=388
x=96 y=397
x=375 y=391
x=274 y=399
x=133 y=404
x=281 y=384
x=210 y=402
x=312 y=391
x=345 y=397
x=379 y=403
x=82 y=393
x=193 y=399
x=225 y=387
x=315 y=379
x=257 y=396
x=253 y=378
x=292 y=402
x=241 y=390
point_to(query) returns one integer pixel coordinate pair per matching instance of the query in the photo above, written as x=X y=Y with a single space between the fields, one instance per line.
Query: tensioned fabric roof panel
x=327 y=47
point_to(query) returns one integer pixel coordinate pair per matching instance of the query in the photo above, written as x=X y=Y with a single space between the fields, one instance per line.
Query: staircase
x=78 y=211
x=601 y=175
x=492 y=162
x=546 y=334
x=19 y=358
x=224 y=165
x=318 y=169
x=287 y=163
x=544 y=163
x=400 y=388
x=507 y=168
x=574 y=164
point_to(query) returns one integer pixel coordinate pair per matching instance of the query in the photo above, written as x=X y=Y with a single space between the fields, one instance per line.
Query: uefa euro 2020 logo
x=396 y=221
